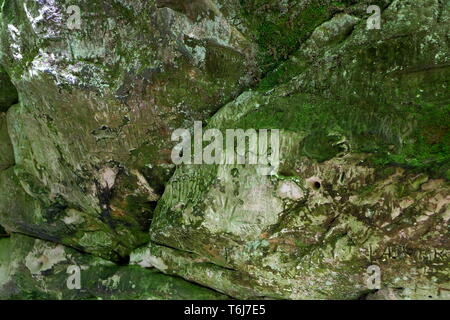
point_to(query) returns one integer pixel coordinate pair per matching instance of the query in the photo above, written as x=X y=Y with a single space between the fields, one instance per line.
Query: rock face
x=340 y=200
x=6 y=149
x=36 y=269
x=88 y=105
x=104 y=107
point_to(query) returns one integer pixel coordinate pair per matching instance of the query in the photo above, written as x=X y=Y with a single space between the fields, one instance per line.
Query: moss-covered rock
x=36 y=269
x=98 y=105
x=57 y=221
x=85 y=153
x=362 y=181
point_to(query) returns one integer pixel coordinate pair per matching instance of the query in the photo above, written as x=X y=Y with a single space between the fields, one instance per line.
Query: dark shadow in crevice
x=8 y=92
x=3 y=233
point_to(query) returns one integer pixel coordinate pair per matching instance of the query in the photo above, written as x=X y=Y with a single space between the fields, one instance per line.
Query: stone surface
x=3 y=232
x=363 y=178
x=98 y=105
x=86 y=175
x=36 y=269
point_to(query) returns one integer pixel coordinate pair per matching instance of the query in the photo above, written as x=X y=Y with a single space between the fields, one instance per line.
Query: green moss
x=428 y=147
x=280 y=30
x=422 y=142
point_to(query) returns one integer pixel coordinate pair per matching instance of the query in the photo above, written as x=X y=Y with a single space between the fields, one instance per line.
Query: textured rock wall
x=104 y=107
x=87 y=178
x=36 y=269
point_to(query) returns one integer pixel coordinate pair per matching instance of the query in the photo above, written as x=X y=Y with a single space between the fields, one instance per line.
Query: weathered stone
x=280 y=28
x=36 y=269
x=98 y=105
x=364 y=145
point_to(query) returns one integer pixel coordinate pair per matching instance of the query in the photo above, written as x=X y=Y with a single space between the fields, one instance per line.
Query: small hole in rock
x=317 y=185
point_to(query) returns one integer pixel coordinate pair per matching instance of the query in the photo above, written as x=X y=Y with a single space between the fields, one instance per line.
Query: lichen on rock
x=354 y=155
x=36 y=269
x=88 y=183
x=108 y=103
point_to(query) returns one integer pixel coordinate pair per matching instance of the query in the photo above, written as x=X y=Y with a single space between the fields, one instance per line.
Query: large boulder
x=363 y=182
x=98 y=102
x=103 y=85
